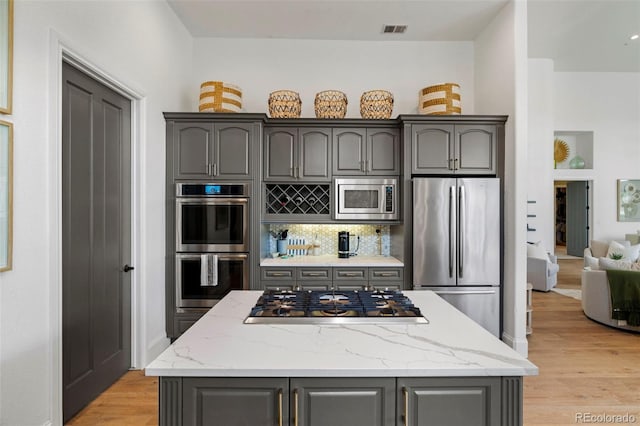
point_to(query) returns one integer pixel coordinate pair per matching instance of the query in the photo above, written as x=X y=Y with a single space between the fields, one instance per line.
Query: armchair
x=542 y=273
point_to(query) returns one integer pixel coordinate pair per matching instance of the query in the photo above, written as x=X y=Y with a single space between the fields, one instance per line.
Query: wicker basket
x=330 y=104
x=284 y=104
x=217 y=96
x=441 y=99
x=376 y=104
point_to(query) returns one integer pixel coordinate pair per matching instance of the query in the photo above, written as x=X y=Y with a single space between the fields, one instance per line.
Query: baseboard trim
x=519 y=345
x=154 y=349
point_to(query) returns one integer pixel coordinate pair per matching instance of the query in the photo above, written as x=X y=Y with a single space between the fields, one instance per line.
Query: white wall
x=501 y=70
x=540 y=153
x=143 y=45
x=609 y=105
x=261 y=66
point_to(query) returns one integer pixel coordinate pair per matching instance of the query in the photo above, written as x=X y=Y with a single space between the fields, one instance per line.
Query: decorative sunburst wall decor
x=560 y=150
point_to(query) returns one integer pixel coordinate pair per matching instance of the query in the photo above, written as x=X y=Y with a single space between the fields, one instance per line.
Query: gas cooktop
x=334 y=307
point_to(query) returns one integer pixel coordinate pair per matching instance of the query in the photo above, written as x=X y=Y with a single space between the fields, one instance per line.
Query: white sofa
x=596 y=300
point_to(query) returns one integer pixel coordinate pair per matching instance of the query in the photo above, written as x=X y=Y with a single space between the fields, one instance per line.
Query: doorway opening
x=573 y=217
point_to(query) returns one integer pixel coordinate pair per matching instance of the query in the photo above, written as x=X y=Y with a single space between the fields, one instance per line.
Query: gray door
x=349 y=152
x=432 y=149
x=256 y=401
x=96 y=300
x=192 y=150
x=577 y=217
x=232 y=151
x=353 y=401
x=475 y=149
x=314 y=154
x=280 y=154
x=383 y=151
x=438 y=401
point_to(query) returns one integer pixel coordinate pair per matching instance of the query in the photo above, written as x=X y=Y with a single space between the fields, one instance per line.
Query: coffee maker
x=343 y=244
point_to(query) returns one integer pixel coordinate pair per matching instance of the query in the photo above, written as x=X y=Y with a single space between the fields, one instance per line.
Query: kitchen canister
x=330 y=104
x=284 y=104
x=377 y=104
x=441 y=99
x=218 y=96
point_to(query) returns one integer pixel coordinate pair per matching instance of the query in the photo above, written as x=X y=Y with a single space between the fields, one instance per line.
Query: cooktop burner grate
x=334 y=307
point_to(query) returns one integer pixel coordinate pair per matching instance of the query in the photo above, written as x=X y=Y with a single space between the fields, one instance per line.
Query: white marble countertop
x=328 y=260
x=220 y=345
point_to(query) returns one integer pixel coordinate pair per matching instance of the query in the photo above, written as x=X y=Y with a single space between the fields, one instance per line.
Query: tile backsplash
x=370 y=243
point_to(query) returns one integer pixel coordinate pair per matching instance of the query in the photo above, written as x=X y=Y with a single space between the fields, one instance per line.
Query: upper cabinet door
x=314 y=158
x=232 y=151
x=192 y=144
x=383 y=152
x=476 y=149
x=349 y=150
x=280 y=153
x=432 y=150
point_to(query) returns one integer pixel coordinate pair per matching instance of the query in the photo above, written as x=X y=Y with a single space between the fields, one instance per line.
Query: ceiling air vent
x=394 y=29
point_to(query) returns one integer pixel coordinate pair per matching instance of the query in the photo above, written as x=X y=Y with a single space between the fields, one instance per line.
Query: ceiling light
x=634 y=37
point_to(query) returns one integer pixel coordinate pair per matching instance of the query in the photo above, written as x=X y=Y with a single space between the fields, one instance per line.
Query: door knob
x=128 y=268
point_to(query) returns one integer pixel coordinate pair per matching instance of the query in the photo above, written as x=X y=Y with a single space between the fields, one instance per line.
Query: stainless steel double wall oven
x=212 y=242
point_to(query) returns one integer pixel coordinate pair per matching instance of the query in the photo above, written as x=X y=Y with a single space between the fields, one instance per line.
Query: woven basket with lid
x=376 y=104
x=284 y=104
x=330 y=104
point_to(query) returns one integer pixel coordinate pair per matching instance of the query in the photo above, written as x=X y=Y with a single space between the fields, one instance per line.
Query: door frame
x=62 y=50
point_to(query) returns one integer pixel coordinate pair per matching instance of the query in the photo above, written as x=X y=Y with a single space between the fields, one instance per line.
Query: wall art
x=6 y=55
x=628 y=200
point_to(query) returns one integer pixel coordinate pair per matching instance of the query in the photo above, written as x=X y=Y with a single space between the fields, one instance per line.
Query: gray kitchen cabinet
x=353 y=401
x=235 y=401
x=454 y=149
x=324 y=278
x=342 y=401
x=299 y=154
x=469 y=401
x=370 y=151
x=384 y=278
x=206 y=150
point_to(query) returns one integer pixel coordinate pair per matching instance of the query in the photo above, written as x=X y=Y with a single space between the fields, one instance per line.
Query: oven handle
x=212 y=201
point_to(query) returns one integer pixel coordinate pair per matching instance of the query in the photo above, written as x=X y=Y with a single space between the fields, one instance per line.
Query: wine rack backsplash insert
x=372 y=243
x=298 y=199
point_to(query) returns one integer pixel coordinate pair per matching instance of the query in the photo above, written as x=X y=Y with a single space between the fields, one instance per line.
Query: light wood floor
x=585 y=368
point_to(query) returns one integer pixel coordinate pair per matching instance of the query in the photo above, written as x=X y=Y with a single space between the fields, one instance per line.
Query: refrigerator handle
x=452 y=196
x=461 y=230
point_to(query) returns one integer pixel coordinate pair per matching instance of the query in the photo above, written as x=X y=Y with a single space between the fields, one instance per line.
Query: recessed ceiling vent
x=394 y=29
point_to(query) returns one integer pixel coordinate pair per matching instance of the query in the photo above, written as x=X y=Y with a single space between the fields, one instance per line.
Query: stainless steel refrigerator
x=457 y=244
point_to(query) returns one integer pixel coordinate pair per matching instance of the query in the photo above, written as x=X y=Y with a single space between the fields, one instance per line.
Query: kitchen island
x=447 y=372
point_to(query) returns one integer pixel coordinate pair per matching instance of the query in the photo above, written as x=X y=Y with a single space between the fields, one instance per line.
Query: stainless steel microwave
x=366 y=199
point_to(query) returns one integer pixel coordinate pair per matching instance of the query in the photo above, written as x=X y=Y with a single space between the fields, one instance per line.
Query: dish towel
x=208 y=270
x=624 y=287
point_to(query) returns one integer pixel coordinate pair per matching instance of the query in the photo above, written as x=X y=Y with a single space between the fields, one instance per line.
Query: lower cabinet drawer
x=279 y=285
x=389 y=285
x=278 y=274
x=388 y=274
x=315 y=274
x=350 y=274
